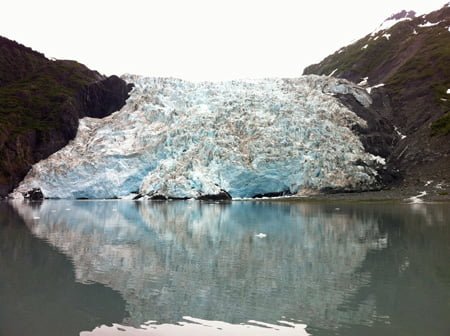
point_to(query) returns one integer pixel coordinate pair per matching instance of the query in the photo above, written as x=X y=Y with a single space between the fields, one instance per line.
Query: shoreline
x=409 y=195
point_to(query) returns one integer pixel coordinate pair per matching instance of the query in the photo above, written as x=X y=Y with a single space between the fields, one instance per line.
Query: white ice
x=180 y=139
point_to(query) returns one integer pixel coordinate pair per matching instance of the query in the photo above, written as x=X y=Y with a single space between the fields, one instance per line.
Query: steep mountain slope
x=40 y=104
x=405 y=65
x=177 y=139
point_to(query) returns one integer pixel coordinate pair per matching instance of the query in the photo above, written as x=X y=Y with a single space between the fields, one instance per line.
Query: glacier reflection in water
x=169 y=260
x=191 y=326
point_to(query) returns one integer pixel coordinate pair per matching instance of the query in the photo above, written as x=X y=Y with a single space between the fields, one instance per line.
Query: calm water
x=190 y=268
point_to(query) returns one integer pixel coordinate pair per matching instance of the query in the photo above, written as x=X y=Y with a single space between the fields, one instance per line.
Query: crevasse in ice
x=180 y=139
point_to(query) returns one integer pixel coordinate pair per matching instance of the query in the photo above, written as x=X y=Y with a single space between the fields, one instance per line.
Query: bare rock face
x=101 y=98
x=40 y=104
x=34 y=195
x=220 y=196
x=403 y=14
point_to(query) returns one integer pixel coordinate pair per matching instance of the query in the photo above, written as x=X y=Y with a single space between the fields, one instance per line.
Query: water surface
x=191 y=268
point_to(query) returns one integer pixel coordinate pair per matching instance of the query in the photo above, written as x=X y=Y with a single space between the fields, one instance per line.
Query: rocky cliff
x=405 y=66
x=41 y=101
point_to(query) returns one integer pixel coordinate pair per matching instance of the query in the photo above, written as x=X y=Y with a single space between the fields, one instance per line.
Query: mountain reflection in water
x=333 y=267
x=38 y=292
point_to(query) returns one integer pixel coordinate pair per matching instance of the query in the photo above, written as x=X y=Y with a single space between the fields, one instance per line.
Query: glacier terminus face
x=178 y=139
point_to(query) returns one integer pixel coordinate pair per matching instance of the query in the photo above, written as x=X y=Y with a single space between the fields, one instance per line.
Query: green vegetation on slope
x=441 y=126
x=413 y=62
x=40 y=104
x=35 y=102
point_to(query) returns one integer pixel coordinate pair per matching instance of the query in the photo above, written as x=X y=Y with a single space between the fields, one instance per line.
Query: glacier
x=178 y=139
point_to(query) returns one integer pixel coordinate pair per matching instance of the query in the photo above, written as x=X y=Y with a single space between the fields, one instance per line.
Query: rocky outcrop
x=405 y=65
x=403 y=14
x=34 y=195
x=221 y=196
x=104 y=97
x=40 y=104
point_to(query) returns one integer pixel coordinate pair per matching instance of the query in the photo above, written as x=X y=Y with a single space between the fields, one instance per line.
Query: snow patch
x=388 y=24
x=448 y=91
x=261 y=235
x=363 y=81
x=365 y=47
x=333 y=72
x=402 y=136
x=387 y=36
x=428 y=24
x=414 y=32
x=428 y=183
x=369 y=89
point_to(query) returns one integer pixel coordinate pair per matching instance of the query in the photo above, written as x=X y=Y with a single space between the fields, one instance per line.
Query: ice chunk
x=417 y=199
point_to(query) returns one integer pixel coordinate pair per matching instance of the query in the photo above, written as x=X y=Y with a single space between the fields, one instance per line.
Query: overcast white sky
x=196 y=39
